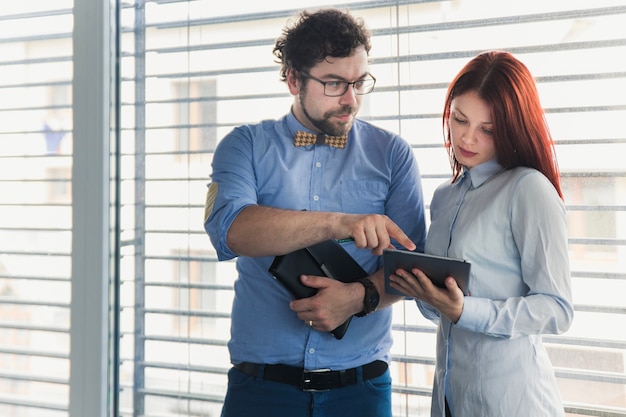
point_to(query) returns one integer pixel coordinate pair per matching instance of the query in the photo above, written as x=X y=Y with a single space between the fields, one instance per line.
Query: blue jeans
x=251 y=396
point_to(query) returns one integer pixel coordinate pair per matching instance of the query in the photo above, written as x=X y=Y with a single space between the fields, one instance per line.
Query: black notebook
x=327 y=259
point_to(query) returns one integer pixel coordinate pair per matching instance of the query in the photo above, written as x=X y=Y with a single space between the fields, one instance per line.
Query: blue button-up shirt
x=511 y=226
x=259 y=164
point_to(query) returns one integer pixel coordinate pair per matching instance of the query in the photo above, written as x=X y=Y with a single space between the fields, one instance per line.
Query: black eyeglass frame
x=346 y=83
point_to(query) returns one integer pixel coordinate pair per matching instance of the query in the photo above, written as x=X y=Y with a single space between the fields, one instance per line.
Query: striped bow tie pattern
x=305 y=138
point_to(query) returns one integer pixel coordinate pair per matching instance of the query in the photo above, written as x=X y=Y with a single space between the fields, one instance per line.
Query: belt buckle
x=306 y=379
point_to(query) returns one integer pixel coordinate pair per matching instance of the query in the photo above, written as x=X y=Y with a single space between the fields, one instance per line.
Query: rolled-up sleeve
x=232 y=188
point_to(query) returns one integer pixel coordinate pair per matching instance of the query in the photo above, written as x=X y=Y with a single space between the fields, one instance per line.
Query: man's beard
x=324 y=125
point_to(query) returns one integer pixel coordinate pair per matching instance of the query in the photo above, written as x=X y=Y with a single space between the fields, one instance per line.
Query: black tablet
x=437 y=268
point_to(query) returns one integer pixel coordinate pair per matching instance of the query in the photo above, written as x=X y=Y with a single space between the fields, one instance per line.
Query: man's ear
x=293 y=81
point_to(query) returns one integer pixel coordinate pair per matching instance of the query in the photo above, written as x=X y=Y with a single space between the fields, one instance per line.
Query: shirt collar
x=293 y=125
x=481 y=173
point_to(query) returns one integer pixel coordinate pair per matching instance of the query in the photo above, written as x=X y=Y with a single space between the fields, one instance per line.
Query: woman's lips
x=466 y=153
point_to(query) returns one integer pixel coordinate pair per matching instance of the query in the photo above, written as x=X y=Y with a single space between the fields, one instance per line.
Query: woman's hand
x=449 y=301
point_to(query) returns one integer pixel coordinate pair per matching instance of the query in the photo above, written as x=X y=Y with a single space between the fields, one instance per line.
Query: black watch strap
x=371 y=298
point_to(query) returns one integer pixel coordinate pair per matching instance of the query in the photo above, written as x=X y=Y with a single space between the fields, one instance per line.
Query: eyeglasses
x=339 y=88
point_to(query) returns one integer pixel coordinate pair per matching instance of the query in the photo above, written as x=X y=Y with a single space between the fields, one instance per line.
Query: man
x=271 y=195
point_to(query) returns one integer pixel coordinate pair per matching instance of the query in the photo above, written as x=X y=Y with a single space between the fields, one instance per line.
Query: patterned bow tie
x=305 y=138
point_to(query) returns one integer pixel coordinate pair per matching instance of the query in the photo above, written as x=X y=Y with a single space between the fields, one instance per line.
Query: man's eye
x=334 y=84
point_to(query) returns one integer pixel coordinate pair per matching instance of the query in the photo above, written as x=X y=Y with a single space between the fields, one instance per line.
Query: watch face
x=372 y=297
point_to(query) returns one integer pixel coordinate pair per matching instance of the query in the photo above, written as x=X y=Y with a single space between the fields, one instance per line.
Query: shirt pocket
x=364 y=196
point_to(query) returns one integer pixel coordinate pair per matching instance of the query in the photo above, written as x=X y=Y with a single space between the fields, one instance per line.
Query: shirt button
x=312 y=351
x=316 y=198
x=318 y=164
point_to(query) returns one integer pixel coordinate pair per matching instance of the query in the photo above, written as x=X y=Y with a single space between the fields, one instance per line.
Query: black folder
x=327 y=259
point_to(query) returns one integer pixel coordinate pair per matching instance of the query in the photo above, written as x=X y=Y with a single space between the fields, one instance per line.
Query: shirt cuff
x=475 y=315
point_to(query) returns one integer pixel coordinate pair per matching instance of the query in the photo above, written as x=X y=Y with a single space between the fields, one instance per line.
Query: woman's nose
x=469 y=136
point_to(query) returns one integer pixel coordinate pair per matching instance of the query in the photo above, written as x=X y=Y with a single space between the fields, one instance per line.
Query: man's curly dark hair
x=317 y=35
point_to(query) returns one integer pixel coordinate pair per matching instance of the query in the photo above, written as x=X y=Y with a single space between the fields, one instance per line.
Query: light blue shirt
x=511 y=226
x=259 y=164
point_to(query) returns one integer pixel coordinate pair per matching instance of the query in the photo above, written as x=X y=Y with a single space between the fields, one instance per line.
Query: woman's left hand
x=449 y=301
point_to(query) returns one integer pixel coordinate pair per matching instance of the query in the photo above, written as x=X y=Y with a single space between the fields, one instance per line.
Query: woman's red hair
x=521 y=134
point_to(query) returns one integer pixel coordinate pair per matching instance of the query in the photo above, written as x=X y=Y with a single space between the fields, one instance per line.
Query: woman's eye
x=488 y=132
x=459 y=121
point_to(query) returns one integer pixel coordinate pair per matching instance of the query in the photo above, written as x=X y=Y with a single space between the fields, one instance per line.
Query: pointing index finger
x=396 y=233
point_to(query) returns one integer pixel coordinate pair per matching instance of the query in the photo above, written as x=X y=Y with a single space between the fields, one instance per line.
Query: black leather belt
x=316 y=380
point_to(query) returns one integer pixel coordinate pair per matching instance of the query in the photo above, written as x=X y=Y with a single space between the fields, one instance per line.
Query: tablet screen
x=437 y=268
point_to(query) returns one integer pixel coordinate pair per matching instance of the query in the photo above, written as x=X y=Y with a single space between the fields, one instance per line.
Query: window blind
x=35 y=207
x=191 y=73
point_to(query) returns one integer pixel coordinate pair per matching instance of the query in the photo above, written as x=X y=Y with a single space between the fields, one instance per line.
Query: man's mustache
x=344 y=111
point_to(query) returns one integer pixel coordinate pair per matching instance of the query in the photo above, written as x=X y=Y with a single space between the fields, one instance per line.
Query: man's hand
x=333 y=304
x=373 y=231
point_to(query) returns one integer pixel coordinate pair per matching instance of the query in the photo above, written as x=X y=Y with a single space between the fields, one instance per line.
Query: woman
x=504 y=213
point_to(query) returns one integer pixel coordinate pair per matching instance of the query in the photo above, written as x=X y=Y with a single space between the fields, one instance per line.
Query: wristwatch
x=371 y=299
